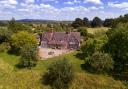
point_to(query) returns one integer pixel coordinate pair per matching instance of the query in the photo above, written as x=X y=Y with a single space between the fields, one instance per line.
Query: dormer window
x=71 y=43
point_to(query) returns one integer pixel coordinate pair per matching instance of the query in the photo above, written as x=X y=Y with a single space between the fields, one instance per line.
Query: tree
x=93 y=45
x=83 y=31
x=5 y=35
x=77 y=23
x=97 y=22
x=117 y=46
x=18 y=40
x=59 y=74
x=29 y=56
x=100 y=62
x=17 y=26
x=88 y=49
x=26 y=45
x=108 y=23
x=86 y=22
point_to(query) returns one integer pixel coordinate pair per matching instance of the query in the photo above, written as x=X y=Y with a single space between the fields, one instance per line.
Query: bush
x=89 y=48
x=4 y=47
x=59 y=74
x=83 y=31
x=5 y=35
x=29 y=56
x=100 y=62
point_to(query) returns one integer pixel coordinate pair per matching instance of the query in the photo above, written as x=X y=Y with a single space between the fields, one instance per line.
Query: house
x=61 y=40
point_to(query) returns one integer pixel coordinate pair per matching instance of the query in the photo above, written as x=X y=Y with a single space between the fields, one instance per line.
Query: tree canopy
x=22 y=38
x=100 y=62
x=96 y=22
x=117 y=46
x=77 y=23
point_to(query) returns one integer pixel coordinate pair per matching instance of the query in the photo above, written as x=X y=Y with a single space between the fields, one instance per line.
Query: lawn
x=14 y=78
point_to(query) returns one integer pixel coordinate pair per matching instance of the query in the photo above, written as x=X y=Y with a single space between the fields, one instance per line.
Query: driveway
x=45 y=53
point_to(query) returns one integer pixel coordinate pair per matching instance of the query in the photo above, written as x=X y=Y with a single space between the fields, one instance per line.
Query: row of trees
x=115 y=21
x=96 y=22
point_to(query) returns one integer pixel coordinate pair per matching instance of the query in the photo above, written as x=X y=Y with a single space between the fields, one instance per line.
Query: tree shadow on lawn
x=20 y=66
x=14 y=51
x=80 y=56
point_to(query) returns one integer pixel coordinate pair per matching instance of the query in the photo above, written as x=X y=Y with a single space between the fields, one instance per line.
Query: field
x=97 y=30
x=13 y=78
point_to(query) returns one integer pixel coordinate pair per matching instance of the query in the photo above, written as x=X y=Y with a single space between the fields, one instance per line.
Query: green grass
x=13 y=78
x=96 y=30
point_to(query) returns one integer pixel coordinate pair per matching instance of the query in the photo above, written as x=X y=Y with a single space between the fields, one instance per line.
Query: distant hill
x=42 y=21
x=37 y=21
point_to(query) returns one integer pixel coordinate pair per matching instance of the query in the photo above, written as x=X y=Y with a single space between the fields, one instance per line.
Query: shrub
x=100 y=62
x=59 y=74
x=89 y=48
x=29 y=56
x=4 y=47
x=83 y=31
x=5 y=35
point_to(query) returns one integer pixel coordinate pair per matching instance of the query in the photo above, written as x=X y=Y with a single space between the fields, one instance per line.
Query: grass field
x=14 y=78
x=97 y=30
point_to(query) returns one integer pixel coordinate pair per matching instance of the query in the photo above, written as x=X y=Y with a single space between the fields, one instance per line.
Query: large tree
x=22 y=38
x=96 y=22
x=77 y=23
x=18 y=40
x=86 y=22
x=108 y=23
x=26 y=45
x=117 y=46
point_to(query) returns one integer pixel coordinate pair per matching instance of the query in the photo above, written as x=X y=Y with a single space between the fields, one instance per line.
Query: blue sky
x=62 y=9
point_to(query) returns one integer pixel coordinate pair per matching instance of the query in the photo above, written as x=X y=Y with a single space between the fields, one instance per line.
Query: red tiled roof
x=61 y=37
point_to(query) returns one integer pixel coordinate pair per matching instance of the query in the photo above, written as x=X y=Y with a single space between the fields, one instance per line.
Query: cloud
x=8 y=4
x=93 y=8
x=78 y=9
x=72 y=2
x=29 y=1
x=55 y=1
x=47 y=9
x=69 y=2
x=93 y=1
x=23 y=10
x=123 y=5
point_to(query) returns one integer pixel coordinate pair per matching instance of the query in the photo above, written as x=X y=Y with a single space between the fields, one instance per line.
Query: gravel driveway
x=49 y=53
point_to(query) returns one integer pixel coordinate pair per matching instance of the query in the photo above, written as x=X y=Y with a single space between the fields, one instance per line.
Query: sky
x=62 y=9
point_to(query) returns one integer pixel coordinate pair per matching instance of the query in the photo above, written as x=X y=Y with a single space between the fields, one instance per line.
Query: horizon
x=62 y=10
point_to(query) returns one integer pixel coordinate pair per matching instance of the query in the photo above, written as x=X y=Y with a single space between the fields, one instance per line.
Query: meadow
x=12 y=77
